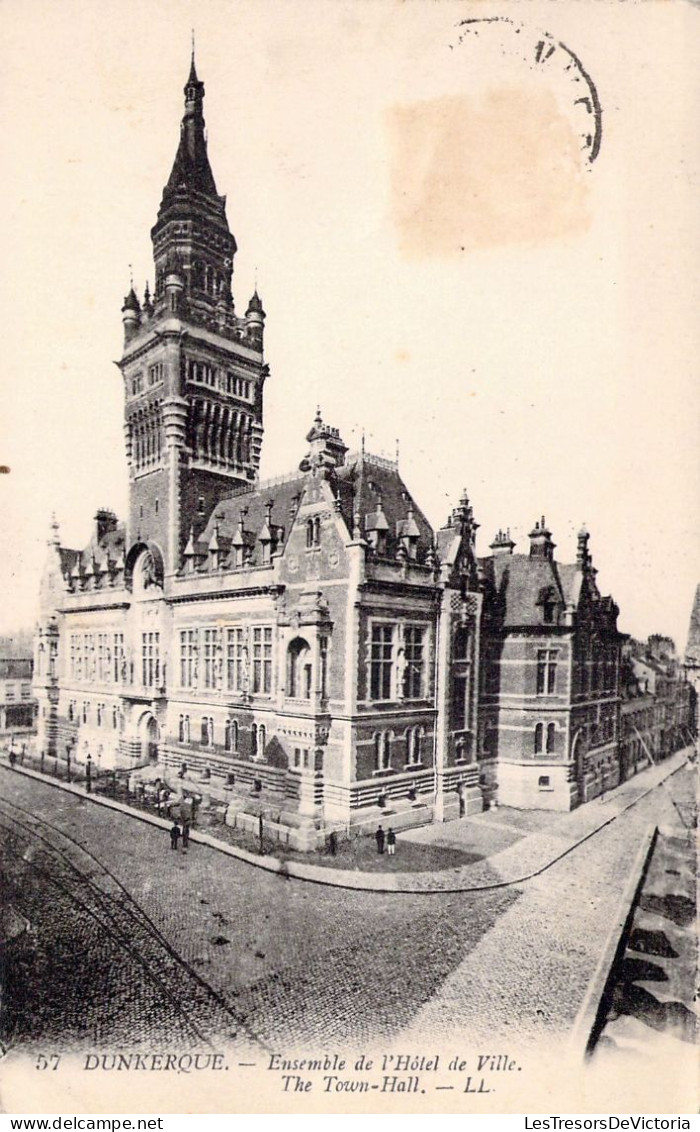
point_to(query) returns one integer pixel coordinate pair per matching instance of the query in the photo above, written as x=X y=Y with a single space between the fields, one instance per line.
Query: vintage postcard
x=350 y=621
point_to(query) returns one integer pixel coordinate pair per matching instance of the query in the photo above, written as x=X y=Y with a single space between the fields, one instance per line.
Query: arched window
x=231 y=735
x=551 y=735
x=207 y=731
x=71 y=712
x=413 y=745
x=460 y=649
x=181 y=729
x=299 y=670
x=260 y=743
x=313 y=531
x=539 y=738
x=382 y=750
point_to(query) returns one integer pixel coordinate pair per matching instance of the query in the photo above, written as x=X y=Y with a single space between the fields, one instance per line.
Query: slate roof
x=111 y=545
x=522 y=582
x=191 y=171
x=363 y=485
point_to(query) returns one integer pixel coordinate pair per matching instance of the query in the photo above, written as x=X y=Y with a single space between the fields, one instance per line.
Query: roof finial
x=131 y=276
x=362 y=443
x=397 y=451
x=193 y=70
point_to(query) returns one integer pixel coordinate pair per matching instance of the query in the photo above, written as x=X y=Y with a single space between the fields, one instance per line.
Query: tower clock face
x=507 y=47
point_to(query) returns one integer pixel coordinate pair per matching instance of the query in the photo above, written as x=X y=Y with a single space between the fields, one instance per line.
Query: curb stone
x=445 y=882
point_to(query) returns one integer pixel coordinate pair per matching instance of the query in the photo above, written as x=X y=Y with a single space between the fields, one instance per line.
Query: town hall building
x=306 y=648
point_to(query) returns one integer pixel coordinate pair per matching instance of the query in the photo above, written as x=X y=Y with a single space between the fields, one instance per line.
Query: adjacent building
x=691 y=660
x=550 y=699
x=658 y=704
x=17 y=702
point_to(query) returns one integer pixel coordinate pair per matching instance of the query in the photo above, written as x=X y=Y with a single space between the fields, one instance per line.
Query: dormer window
x=548 y=601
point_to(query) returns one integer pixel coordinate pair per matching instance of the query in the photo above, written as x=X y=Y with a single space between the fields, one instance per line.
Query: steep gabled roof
x=363 y=486
x=522 y=583
x=246 y=512
x=371 y=486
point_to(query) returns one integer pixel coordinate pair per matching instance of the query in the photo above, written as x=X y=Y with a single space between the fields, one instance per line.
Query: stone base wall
x=536 y=787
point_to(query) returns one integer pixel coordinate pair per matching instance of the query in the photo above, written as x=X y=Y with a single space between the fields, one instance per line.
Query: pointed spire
x=193 y=70
x=191 y=169
x=147 y=302
x=265 y=534
x=131 y=302
x=255 y=305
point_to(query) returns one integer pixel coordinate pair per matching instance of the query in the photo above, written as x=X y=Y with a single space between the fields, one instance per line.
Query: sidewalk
x=525 y=858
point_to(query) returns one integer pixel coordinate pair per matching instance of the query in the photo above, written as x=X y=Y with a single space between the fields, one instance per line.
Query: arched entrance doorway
x=149 y=732
x=578 y=756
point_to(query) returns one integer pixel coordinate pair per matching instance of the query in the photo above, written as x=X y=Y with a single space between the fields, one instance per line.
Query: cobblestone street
x=295 y=962
x=203 y=946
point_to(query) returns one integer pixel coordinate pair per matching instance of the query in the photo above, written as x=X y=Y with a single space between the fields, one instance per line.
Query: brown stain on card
x=474 y=172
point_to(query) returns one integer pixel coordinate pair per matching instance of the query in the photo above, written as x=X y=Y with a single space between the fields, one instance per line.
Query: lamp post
x=68 y=751
x=88 y=774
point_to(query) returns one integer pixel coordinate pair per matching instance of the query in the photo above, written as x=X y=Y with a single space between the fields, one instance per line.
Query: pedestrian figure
x=333 y=843
x=174 y=835
x=185 y=837
x=379 y=836
x=391 y=842
x=13 y=757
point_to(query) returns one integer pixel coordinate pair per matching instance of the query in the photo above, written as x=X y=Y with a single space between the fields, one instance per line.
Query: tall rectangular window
x=150 y=659
x=235 y=660
x=210 y=641
x=262 y=660
x=118 y=660
x=460 y=691
x=414 y=656
x=381 y=662
x=188 y=651
x=546 y=671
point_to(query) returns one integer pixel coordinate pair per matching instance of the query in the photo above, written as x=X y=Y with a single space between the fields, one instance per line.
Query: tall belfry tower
x=193 y=370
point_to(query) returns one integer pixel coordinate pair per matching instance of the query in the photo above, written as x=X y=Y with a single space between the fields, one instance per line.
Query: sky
x=440 y=263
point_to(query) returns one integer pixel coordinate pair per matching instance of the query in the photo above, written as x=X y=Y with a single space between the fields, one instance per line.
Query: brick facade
x=306 y=648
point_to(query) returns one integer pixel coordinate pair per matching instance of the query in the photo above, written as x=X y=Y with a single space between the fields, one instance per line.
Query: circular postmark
x=543 y=54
